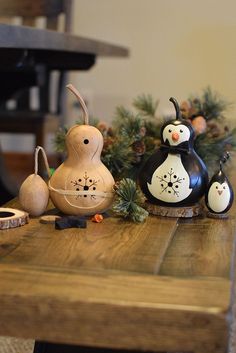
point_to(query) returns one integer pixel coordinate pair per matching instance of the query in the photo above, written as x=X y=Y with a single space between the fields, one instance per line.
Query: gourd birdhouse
x=174 y=176
x=82 y=185
x=219 y=195
x=34 y=193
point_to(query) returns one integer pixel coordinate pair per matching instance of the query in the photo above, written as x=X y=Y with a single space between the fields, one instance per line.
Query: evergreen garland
x=135 y=134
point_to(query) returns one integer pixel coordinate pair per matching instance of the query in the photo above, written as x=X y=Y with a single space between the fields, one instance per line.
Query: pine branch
x=59 y=140
x=122 y=114
x=146 y=105
x=135 y=136
x=128 y=124
x=211 y=104
x=214 y=105
x=210 y=150
x=118 y=156
x=128 y=201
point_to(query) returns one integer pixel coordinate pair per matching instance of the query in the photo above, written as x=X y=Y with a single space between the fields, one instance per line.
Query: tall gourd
x=82 y=185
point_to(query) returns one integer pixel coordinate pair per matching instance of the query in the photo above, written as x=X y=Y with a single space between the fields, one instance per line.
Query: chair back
x=43 y=88
x=28 y=12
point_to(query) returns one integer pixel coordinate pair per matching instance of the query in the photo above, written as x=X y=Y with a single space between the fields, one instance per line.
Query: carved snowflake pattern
x=85 y=184
x=170 y=182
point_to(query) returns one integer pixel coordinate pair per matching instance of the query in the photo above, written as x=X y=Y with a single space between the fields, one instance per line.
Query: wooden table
x=51 y=47
x=24 y=48
x=163 y=285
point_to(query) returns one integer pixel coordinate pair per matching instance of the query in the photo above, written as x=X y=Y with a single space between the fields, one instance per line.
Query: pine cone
x=213 y=130
x=107 y=142
x=185 y=108
x=102 y=127
x=139 y=147
x=110 y=132
x=116 y=185
x=226 y=128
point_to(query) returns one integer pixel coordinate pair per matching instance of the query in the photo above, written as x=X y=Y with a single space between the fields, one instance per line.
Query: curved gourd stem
x=177 y=110
x=224 y=159
x=83 y=105
x=37 y=149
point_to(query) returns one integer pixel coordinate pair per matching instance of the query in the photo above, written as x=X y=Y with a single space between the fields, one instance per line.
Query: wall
x=176 y=48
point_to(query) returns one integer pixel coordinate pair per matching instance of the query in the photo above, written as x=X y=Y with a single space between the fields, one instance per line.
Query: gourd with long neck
x=82 y=185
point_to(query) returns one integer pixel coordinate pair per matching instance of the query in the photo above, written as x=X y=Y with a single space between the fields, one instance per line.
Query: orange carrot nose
x=175 y=136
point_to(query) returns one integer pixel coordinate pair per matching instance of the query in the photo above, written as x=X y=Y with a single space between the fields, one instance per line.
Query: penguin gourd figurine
x=82 y=185
x=219 y=195
x=174 y=175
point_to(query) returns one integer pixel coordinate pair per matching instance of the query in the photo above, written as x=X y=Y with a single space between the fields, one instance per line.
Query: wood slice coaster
x=49 y=219
x=11 y=218
x=183 y=212
x=217 y=215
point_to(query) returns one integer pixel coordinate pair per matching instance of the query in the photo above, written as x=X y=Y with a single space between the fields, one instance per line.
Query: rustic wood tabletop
x=163 y=285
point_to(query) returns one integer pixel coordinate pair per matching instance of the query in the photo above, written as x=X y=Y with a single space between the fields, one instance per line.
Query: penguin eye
x=181 y=131
x=170 y=130
x=216 y=187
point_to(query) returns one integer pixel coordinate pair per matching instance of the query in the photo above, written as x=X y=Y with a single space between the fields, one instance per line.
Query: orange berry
x=97 y=218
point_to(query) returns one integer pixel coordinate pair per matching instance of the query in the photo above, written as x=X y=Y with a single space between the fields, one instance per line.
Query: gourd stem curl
x=224 y=159
x=37 y=149
x=83 y=105
x=176 y=105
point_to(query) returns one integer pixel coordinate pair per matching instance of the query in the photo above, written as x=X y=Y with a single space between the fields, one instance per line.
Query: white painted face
x=176 y=134
x=219 y=196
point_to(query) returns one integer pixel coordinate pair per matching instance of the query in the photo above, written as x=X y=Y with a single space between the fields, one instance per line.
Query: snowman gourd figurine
x=82 y=185
x=219 y=196
x=174 y=176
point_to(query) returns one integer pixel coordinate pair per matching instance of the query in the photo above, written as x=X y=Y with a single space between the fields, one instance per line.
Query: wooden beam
x=128 y=310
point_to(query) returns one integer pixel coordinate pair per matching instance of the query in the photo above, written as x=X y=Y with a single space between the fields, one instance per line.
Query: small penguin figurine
x=219 y=196
x=174 y=175
x=82 y=185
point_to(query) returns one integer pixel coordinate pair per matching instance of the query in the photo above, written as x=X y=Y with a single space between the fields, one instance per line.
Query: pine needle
x=146 y=105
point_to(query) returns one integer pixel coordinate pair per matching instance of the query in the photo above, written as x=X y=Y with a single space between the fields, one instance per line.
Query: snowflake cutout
x=170 y=182
x=85 y=184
